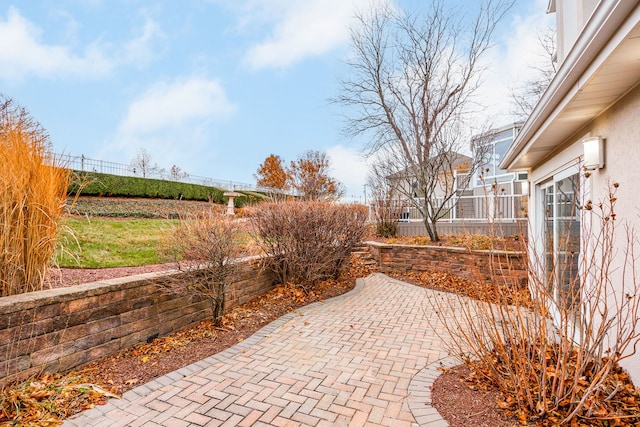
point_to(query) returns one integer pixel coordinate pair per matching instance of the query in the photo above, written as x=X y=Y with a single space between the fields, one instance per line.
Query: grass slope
x=99 y=242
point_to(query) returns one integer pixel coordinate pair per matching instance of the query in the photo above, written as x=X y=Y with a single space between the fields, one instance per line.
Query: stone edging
x=419 y=398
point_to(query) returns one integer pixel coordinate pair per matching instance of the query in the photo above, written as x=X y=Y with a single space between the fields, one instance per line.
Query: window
x=494 y=150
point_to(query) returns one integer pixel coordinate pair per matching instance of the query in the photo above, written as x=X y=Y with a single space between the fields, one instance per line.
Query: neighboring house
x=489 y=173
x=405 y=183
x=492 y=195
x=452 y=179
x=592 y=107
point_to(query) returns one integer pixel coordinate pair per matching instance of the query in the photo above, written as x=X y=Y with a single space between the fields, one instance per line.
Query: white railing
x=82 y=163
x=504 y=208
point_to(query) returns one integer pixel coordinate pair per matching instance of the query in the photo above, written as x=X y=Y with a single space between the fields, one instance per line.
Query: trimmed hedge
x=99 y=184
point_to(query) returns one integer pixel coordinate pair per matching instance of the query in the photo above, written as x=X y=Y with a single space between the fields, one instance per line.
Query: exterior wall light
x=593 y=153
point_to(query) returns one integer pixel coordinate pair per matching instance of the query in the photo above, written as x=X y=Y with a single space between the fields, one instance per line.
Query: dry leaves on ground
x=50 y=398
x=621 y=409
x=463 y=403
x=447 y=282
x=468 y=241
x=616 y=403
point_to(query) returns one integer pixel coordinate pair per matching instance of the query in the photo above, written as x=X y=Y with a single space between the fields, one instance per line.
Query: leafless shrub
x=306 y=242
x=386 y=206
x=204 y=246
x=556 y=360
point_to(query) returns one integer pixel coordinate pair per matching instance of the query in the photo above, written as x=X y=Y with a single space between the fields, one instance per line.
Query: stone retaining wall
x=483 y=266
x=59 y=329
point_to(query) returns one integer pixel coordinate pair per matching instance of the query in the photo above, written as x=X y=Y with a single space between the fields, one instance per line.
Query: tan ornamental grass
x=33 y=188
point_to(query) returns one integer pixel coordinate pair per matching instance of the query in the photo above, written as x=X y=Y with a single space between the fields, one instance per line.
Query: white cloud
x=23 y=48
x=139 y=51
x=512 y=61
x=174 y=122
x=301 y=29
x=174 y=105
x=350 y=168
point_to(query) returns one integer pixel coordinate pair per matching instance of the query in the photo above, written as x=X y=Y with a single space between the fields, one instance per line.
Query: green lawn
x=102 y=242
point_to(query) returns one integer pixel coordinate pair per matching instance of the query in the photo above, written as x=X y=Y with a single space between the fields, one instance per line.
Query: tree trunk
x=216 y=319
x=429 y=223
x=431 y=229
x=219 y=304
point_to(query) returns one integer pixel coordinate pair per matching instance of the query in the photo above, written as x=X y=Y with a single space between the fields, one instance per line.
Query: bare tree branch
x=413 y=80
x=525 y=97
x=142 y=162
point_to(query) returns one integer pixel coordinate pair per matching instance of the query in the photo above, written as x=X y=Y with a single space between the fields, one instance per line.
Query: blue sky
x=213 y=86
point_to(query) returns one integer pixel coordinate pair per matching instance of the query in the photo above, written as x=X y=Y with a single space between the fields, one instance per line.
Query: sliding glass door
x=560 y=198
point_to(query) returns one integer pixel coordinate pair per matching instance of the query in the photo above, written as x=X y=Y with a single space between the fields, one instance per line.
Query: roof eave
x=603 y=23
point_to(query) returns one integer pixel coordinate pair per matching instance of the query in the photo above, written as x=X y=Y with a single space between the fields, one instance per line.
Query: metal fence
x=83 y=163
x=478 y=208
x=503 y=215
x=504 y=208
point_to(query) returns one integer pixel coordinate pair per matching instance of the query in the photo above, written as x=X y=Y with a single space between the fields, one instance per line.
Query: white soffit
x=602 y=84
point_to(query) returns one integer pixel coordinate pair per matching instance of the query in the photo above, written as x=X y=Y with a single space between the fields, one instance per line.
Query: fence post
x=513 y=200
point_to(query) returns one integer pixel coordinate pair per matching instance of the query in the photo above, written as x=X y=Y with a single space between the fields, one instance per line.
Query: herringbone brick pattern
x=348 y=361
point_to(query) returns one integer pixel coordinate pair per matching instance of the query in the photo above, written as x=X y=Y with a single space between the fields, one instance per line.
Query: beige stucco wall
x=620 y=126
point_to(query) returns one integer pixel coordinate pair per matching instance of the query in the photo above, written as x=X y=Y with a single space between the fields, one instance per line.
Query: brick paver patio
x=367 y=357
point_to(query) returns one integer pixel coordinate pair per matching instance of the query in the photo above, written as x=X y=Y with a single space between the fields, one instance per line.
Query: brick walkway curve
x=367 y=357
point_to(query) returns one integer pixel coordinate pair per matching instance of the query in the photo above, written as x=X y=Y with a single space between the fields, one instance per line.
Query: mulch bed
x=463 y=404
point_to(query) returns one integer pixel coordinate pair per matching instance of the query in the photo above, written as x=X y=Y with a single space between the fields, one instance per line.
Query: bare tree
x=412 y=86
x=309 y=175
x=142 y=163
x=526 y=96
x=177 y=174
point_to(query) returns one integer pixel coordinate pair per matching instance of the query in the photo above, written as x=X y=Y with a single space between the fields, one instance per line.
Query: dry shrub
x=33 y=188
x=556 y=361
x=306 y=242
x=386 y=208
x=386 y=213
x=204 y=245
